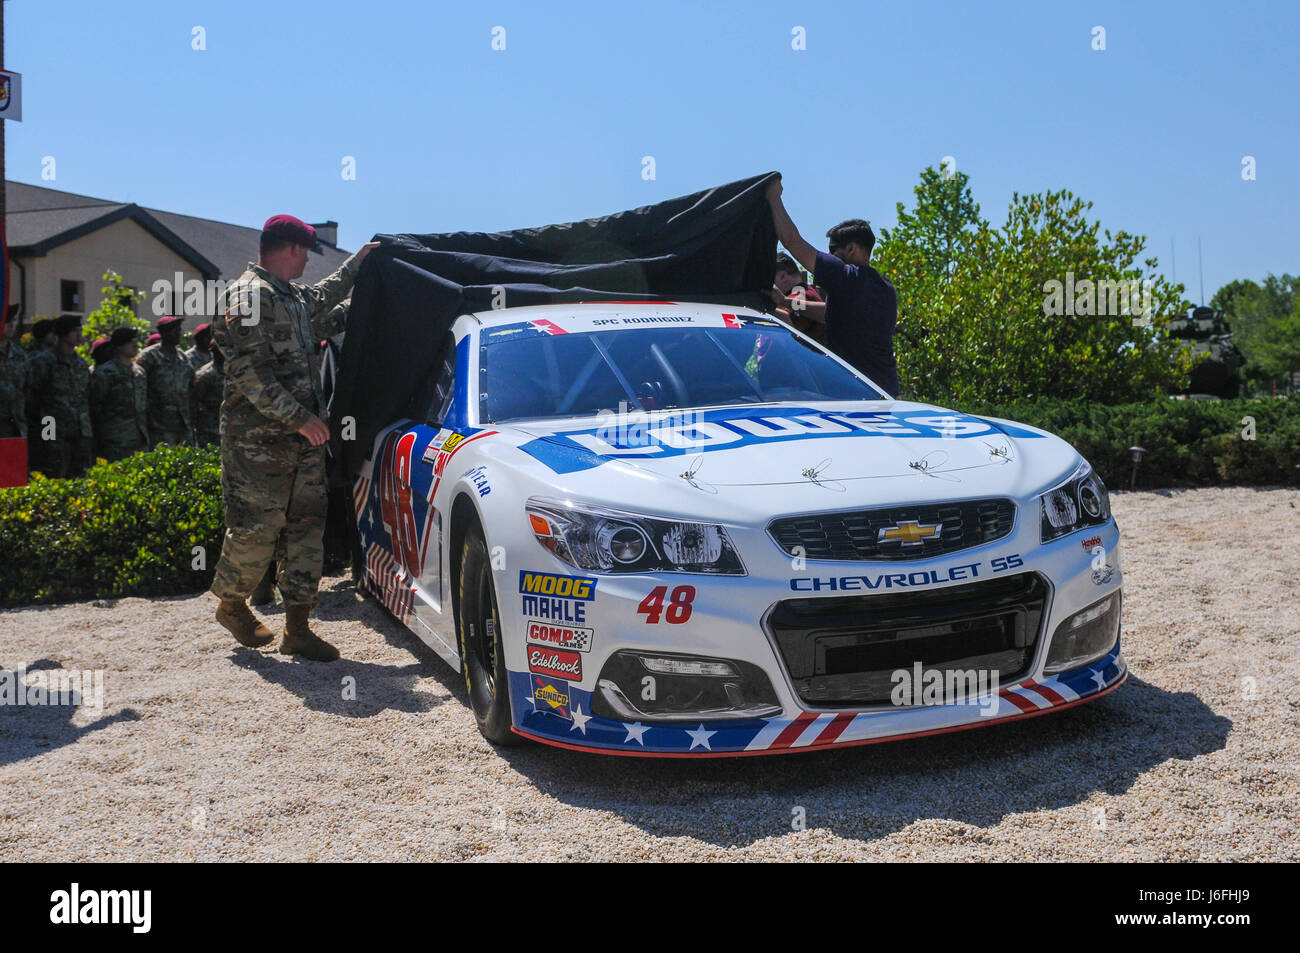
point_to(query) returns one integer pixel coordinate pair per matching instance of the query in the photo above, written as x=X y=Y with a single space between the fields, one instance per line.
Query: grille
x=844 y=650
x=857 y=534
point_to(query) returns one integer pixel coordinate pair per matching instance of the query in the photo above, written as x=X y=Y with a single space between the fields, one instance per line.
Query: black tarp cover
x=715 y=245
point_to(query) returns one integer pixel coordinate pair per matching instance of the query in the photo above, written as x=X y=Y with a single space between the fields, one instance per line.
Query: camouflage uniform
x=119 y=409
x=170 y=378
x=13 y=390
x=197 y=359
x=39 y=364
x=272 y=478
x=205 y=404
x=63 y=392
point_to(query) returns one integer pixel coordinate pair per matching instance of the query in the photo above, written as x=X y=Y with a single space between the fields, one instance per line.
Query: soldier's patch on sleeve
x=244 y=310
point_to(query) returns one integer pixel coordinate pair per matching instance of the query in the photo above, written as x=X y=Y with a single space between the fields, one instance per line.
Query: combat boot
x=301 y=640
x=243 y=625
x=263 y=595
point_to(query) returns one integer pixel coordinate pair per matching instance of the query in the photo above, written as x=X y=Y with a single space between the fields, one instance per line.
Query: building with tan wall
x=61 y=244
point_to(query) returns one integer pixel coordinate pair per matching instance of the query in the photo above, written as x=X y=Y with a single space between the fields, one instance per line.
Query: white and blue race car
x=665 y=529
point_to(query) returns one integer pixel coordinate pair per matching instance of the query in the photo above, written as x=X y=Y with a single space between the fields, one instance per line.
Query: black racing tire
x=358 y=558
x=482 y=658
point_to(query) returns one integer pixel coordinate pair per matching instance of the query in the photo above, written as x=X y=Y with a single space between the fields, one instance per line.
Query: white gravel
x=204 y=751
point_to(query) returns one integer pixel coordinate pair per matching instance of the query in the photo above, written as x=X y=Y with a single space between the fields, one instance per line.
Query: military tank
x=1204 y=330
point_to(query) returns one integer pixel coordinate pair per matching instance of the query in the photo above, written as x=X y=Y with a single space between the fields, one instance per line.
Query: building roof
x=38 y=219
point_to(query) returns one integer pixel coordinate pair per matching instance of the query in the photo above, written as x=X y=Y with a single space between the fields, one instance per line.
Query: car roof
x=582 y=315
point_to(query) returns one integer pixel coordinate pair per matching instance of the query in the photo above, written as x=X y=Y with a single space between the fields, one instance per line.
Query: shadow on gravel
x=35 y=727
x=974 y=777
x=374 y=688
x=347 y=688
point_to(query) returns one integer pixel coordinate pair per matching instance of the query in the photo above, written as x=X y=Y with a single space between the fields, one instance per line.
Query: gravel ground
x=204 y=751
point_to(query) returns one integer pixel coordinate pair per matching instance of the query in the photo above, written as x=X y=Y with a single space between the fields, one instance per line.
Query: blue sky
x=449 y=134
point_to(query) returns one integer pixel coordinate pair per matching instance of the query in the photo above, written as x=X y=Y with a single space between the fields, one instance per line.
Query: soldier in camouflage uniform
x=119 y=400
x=170 y=378
x=205 y=400
x=200 y=355
x=272 y=437
x=62 y=399
x=100 y=351
x=40 y=361
x=13 y=380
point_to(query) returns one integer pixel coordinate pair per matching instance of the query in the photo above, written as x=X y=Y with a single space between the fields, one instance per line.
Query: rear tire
x=358 y=560
x=482 y=657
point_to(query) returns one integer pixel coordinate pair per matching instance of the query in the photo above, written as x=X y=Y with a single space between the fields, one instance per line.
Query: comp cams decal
x=572 y=637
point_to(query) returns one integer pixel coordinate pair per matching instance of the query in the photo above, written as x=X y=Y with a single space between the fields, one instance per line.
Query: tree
x=116 y=310
x=1263 y=322
x=977 y=322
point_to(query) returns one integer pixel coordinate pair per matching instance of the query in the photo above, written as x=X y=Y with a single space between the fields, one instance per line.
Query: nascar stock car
x=668 y=529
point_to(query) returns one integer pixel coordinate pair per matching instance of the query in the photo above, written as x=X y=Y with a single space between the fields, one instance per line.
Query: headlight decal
x=596 y=539
x=1078 y=502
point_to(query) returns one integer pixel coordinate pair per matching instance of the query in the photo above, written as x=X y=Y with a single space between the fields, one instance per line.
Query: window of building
x=70 y=296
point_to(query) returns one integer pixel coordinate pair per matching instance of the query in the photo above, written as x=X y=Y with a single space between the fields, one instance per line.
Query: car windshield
x=590 y=373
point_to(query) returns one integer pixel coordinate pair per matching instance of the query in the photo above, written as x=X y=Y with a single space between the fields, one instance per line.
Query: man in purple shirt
x=861 y=308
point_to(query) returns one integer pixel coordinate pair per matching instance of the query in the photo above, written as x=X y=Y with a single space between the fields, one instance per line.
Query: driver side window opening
x=444 y=384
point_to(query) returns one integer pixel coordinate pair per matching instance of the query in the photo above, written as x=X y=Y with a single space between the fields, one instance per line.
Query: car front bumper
x=730 y=621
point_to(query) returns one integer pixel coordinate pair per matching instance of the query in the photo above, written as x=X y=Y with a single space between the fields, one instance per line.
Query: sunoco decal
x=551 y=695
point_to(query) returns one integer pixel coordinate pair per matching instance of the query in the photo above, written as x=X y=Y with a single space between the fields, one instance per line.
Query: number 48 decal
x=679 y=606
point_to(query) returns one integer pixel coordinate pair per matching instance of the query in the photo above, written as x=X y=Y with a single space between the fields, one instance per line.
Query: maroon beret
x=153 y=339
x=290 y=229
x=168 y=321
x=99 y=342
x=203 y=329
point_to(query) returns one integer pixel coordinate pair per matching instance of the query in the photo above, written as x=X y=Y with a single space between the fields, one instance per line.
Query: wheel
x=358 y=560
x=483 y=660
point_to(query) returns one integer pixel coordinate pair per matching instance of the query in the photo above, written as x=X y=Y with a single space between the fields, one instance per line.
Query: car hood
x=791 y=458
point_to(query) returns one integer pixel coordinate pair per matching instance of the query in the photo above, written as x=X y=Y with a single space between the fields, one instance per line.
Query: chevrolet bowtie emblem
x=909 y=533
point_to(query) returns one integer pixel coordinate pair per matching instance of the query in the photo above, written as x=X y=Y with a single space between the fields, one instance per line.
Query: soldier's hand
x=315 y=430
x=365 y=250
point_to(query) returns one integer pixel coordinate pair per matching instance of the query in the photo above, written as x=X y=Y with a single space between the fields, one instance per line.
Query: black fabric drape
x=718 y=245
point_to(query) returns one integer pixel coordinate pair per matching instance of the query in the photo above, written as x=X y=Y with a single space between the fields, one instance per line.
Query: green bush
x=126 y=528
x=1187 y=442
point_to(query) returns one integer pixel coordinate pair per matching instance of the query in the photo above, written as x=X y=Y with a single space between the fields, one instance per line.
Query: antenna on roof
x=1200 y=267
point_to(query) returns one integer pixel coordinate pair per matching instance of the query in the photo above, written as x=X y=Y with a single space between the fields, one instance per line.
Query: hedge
x=1188 y=442
x=128 y=528
x=131 y=528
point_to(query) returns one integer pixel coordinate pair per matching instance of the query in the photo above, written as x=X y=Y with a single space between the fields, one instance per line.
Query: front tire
x=482 y=656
